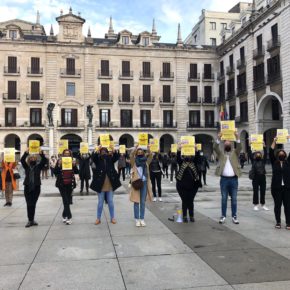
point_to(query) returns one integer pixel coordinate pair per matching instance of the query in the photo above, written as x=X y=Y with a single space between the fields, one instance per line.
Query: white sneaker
x=265 y=208
x=256 y=208
x=154 y=199
x=171 y=181
x=160 y=199
x=64 y=220
x=138 y=224
x=222 y=220
x=142 y=223
x=69 y=222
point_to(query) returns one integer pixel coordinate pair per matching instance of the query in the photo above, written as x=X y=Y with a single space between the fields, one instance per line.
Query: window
x=12 y=34
x=231 y=60
x=194 y=118
x=195 y=38
x=259 y=73
x=12 y=90
x=125 y=40
x=209 y=118
x=70 y=89
x=12 y=64
x=207 y=71
x=35 y=117
x=208 y=94
x=126 y=119
x=146 y=69
x=166 y=94
x=146 y=41
x=212 y=25
x=69 y=117
x=193 y=70
x=222 y=92
x=193 y=94
x=231 y=87
x=260 y=42
x=35 y=65
x=105 y=95
x=167 y=118
x=273 y=65
x=145 y=118
x=213 y=41
x=10 y=117
x=70 y=66
x=222 y=69
x=126 y=68
x=275 y=110
x=224 y=26
x=105 y=66
x=242 y=81
x=242 y=54
x=126 y=93
x=274 y=31
x=166 y=70
x=232 y=113
x=105 y=118
x=35 y=94
x=146 y=93
x=244 y=111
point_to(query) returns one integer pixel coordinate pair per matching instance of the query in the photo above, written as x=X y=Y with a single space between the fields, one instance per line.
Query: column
x=90 y=135
x=50 y=140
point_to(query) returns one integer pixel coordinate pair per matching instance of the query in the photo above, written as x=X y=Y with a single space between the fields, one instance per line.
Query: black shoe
x=185 y=220
x=6 y=204
x=192 y=220
x=9 y=204
x=29 y=224
x=34 y=223
x=87 y=192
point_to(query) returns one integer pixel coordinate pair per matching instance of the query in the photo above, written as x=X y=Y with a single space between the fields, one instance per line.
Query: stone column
x=50 y=140
x=90 y=135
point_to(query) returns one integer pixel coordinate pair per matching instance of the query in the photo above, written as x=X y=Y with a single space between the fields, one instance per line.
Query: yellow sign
x=187 y=140
x=97 y=148
x=282 y=136
x=122 y=149
x=173 y=148
x=257 y=147
x=34 y=146
x=66 y=163
x=9 y=154
x=154 y=145
x=105 y=140
x=84 y=148
x=143 y=139
x=199 y=147
x=228 y=129
x=188 y=150
x=257 y=138
x=62 y=145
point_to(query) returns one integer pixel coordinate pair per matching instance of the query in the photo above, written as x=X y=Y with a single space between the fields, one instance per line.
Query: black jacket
x=202 y=163
x=279 y=172
x=84 y=167
x=258 y=166
x=59 y=179
x=37 y=170
x=105 y=166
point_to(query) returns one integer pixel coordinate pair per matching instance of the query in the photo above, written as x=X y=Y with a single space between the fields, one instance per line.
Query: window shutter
x=193 y=94
x=35 y=65
x=207 y=71
x=166 y=94
x=12 y=90
x=74 y=117
x=35 y=91
x=12 y=64
x=105 y=67
x=146 y=69
x=62 y=117
x=166 y=69
x=70 y=66
x=105 y=88
x=193 y=70
x=126 y=68
x=146 y=93
x=126 y=93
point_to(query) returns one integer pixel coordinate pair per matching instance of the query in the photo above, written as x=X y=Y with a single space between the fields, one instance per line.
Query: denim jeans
x=229 y=186
x=101 y=196
x=139 y=208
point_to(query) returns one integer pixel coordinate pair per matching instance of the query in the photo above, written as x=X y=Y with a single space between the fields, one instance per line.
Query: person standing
x=84 y=171
x=156 y=175
x=165 y=164
x=32 y=183
x=229 y=171
x=122 y=166
x=187 y=184
x=52 y=164
x=280 y=185
x=258 y=176
x=140 y=171
x=8 y=181
x=105 y=181
x=202 y=166
x=243 y=159
x=173 y=165
x=128 y=166
x=66 y=183
x=45 y=169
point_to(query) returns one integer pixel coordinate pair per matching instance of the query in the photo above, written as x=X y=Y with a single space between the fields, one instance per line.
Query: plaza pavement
x=164 y=255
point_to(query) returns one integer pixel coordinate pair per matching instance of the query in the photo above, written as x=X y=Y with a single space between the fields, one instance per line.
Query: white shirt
x=140 y=173
x=228 y=169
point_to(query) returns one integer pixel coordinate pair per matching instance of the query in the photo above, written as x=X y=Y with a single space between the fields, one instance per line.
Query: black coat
x=84 y=167
x=105 y=166
x=37 y=170
x=279 y=172
x=59 y=177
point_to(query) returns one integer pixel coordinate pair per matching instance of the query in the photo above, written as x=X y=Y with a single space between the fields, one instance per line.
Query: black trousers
x=123 y=171
x=156 y=178
x=165 y=169
x=259 y=184
x=280 y=197
x=202 y=174
x=31 y=199
x=83 y=181
x=173 y=171
x=66 y=194
x=187 y=197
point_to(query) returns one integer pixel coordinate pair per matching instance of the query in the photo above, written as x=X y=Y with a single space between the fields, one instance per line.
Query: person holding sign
x=84 y=169
x=280 y=186
x=122 y=165
x=65 y=171
x=229 y=171
x=156 y=174
x=105 y=181
x=32 y=182
x=173 y=162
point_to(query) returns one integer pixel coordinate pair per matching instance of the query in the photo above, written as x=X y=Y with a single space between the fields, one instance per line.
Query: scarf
x=141 y=162
x=191 y=167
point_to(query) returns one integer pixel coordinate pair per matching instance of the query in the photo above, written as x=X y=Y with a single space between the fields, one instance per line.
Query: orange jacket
x=5 y=168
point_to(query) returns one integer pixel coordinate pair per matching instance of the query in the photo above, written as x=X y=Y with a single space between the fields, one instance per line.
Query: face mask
x=32 y=163
x=201 y=154
x=187 y=159
x=258 y=158
x=281 y=157
x=228 y=148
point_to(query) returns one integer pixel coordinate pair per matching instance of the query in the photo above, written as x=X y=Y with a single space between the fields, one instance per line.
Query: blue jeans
x=101 y=196
x=229 y=186
x=139 y=208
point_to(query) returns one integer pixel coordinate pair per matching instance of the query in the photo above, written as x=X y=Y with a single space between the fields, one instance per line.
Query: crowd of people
x=103 y=170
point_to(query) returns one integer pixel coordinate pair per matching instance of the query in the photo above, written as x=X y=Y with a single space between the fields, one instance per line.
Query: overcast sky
x=133 y=15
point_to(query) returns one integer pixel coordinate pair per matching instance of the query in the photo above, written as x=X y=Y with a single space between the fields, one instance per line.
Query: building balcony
x=34 y=99
x=172 y=124
x=242 y=91
x=259 y=53
x=190 y=125
x=241 y=64
x=220 y=100
x=26 y=125
x=193 y=101
x=220 y=76
x=208 y=77
x=150 y=101
x=105 y=100
x=146 y=76
x=166 y=76
x=208 y=101
x=273 y=78
x=230 y=95
x=80 y=125
x=126 y=75
x=193 y=77
x=211 y=124
x=107 y=75
x=9 y=98
x=164 y=101
x=274 y=43
x=11 y=71
x=126 y=100
x=259 y=84
x=70 y=73
x=230 y=70
x=35 y=72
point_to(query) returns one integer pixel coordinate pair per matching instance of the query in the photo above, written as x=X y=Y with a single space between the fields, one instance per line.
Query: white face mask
x=201 y=153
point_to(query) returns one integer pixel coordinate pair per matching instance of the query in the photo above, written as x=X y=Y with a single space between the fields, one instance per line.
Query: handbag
x=138 y=183
x=16 y=174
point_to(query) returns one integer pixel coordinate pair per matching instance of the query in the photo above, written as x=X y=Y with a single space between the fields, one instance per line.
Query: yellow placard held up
x=34 y=146
x=84 y=148
x=105 y=140
x=282 y=136
x=66 y=163
x=199 y=147
x=173 y=148
x=9 y=154
x=143 y=139
x=187 y=140
x=154 y=145
x=228 y=129
x=188 y=150
x=97 y=148
x=257 y=147
x=122 y=149
x=257 y=138
x=62 y=145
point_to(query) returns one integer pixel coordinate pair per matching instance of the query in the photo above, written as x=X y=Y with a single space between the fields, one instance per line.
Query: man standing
x=229 y=172
x=202 y=166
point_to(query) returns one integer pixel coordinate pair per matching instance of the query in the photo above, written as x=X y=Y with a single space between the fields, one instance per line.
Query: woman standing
x=32 y=183
x=280 y=186
x=105 y=181
x=122 y=166
x=85 y=172
x=140 y=170
x=65 y=181
x=156 y=174
x=187 y=184
x=8 y=181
